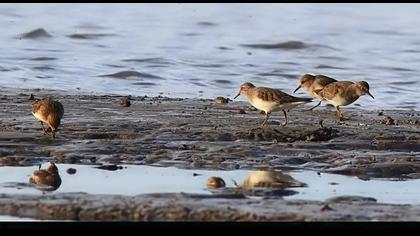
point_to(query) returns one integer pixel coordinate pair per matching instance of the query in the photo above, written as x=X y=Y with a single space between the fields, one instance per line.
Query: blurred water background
x=208 y=50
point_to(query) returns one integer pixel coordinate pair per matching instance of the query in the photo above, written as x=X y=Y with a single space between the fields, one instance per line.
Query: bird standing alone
x=50 y=112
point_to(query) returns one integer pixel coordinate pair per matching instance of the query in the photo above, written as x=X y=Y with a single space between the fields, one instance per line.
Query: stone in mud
x=388 y=121
x=221 y=100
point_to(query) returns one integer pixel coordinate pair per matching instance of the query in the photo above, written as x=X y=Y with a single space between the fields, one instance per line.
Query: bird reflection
x=46 y=179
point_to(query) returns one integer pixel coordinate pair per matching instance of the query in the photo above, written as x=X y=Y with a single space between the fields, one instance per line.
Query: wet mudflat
x=202 y=134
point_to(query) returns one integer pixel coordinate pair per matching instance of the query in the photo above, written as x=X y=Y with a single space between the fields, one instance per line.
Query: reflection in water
x=268 y=183
x=152 y=179
x=269 y=179
x=215 y=182
x=46 y=179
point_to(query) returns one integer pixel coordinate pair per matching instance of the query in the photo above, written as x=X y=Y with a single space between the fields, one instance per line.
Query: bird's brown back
x=275 y=95
x=51 y=111
x=335 y=88
x=324 y=80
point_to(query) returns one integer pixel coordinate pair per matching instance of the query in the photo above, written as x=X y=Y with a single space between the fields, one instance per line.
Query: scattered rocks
x=215 y=182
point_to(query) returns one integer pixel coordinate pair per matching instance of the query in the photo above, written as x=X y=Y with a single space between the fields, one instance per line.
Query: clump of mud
x=221 y=100
x=388 y=121
x=125 y=102
x=322 y=134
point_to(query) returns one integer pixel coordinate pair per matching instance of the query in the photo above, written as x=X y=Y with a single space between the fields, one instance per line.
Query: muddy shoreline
x=204 y=134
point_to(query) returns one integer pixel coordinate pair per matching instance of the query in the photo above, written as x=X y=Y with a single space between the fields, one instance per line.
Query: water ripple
x=289 y=45
x=129 y=73
x=39 y=33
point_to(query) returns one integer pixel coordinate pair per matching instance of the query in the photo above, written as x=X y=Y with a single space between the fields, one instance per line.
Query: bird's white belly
x=340 y=101
x=269 y=106
x=39 y=117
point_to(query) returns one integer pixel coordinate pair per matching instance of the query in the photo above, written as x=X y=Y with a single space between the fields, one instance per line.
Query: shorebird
x=343 y=93
x=50 y=112
x=310 y=83
x=270 y=100
x=49 y=177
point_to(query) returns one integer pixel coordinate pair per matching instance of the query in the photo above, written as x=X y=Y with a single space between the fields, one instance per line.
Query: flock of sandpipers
x=321 y=87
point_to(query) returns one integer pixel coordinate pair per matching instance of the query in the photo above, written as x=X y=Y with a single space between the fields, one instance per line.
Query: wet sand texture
x=202 y=134
x=193 y=207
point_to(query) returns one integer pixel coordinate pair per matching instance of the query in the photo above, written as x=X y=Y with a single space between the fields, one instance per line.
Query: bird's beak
x=297 y=89
x=237 y=95
x=370 y=94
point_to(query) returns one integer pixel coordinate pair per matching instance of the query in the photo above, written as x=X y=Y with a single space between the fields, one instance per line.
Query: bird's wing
x=268 y=94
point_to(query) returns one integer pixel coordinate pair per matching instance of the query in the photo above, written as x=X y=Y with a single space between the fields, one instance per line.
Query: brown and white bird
x=50 y=112
x=270 y=100
x=343 y=93
x=310 y=83
x=49 y=177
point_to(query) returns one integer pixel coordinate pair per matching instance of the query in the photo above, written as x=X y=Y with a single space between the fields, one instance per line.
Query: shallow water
x=208 y=50
x=14 y=218
x=133 y=180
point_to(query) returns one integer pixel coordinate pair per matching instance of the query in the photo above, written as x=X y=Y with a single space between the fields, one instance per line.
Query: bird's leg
x=266 y=118
x=285 y=117
x=339 y=114
x=311 y=109
x=53 y=133
x=42 y=125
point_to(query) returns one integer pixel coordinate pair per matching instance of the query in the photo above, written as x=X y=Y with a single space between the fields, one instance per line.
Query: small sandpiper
x=343 y=93
x=48 y=177
x=310 y=83
x=270 y=100
x=50 y=112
